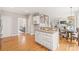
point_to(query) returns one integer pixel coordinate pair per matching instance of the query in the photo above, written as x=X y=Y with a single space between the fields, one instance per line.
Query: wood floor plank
x=27 y=43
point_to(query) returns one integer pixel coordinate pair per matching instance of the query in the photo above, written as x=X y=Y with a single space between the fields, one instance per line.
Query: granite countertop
x=47 y=30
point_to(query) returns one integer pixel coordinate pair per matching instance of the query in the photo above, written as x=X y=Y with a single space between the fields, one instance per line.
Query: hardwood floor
x=27 y=43
x=67 y=45
x=20 y=44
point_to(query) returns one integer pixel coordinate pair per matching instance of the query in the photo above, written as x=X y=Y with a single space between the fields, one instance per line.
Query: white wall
x=10 y=24
x=77 y=22
x=30 y=28
x=6 y=22
x=55 y=12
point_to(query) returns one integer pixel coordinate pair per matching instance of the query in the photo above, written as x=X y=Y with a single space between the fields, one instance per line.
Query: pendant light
x=70 y=17
x=71 y=10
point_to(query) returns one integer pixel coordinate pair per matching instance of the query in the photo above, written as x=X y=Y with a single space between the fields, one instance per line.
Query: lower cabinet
x=50 y=41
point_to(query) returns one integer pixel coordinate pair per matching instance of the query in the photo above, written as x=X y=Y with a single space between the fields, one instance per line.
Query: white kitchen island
x=48 y=39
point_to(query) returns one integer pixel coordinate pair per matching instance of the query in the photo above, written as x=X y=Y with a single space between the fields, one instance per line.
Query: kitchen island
x=47 y=38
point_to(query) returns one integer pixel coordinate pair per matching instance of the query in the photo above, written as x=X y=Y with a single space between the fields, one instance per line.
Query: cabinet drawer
x=47 y=39
x=46 y=35
x=48 y=45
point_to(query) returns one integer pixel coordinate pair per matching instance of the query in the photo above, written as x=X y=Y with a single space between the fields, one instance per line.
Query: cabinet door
x=55 y=40
x=36 y=19
x=37 y=36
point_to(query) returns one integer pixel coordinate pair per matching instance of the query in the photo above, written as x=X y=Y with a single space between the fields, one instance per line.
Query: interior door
x=21 y=25
x=22 y=31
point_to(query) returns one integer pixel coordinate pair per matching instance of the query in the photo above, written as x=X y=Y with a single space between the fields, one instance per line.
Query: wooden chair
x=75 y=36
x=62 y=33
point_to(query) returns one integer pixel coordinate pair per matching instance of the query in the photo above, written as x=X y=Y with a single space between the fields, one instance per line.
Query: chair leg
x=0 y=43
x=78 y=42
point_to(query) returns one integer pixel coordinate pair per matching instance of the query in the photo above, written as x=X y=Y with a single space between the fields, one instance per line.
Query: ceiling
x=59 y=11
x=24 y=10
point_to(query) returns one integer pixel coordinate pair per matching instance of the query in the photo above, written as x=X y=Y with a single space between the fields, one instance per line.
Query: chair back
x=78 y=35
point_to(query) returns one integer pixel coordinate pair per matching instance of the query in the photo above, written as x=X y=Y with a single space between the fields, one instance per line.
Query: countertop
x=46 y=30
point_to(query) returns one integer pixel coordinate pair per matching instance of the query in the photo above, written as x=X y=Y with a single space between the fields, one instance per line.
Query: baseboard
x=9 y=35
x=4 y=36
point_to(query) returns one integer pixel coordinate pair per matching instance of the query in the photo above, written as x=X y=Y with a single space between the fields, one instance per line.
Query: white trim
x=4 y=36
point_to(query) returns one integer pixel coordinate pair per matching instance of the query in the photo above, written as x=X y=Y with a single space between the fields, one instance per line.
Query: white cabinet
x=36 y=19
x=50 y=41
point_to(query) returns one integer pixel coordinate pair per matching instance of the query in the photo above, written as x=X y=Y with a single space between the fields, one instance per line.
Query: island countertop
x=46 y=30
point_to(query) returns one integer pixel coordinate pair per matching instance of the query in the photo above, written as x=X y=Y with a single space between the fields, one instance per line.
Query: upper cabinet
x=41 y=20
x=36 y=19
